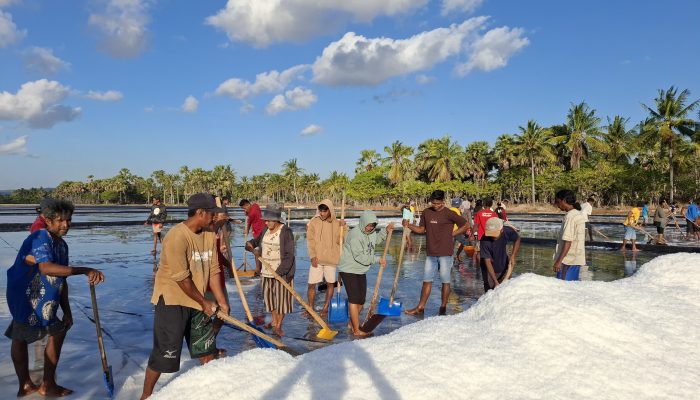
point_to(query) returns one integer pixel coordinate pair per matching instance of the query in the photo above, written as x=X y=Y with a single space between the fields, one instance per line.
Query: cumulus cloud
x=357 y=60
x=123 y=25
x=463 y=6
x=110 y=95
x=493 y=50
x=43 y=60
x=16 y=147
x=292 y=100
x=260 y=23
x=38 y=104
x=311 y=130
x=266 y=82
x=190 y=105
x=9 y=34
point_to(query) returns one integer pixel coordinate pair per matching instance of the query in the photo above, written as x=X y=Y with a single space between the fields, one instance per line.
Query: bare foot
x=268 y=325
x=278 y=331
x=359 y=334
x=54 y=391
x=27 y=389
x=324 y=312
x=635 y=249
x=414 y=311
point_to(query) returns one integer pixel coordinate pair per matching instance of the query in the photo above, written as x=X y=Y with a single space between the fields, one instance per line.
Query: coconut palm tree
x=398 y=162
x=291 y=171
x=533 y=144
x=504 y=154
x=581 y=134
x=441 y=159
x=619 y=140
x=369 y=160
x=476 y=161
x=669 y=123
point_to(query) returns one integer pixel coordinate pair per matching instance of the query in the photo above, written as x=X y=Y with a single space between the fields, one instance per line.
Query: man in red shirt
x=252 y=211
x=482 y=216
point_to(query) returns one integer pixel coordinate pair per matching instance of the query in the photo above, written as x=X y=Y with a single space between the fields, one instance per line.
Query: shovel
x=372 y=319
x=245 y=272
x=339 y=307
x=389 y=307
x=325 y=332
x=260 y=342
x=227 y=318
x=106 y=369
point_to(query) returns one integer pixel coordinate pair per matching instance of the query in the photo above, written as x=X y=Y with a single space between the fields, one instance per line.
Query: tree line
x=615 y=161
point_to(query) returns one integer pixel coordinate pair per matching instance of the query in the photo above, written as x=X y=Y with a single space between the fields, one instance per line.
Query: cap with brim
x=203 y=201
x=493 y=227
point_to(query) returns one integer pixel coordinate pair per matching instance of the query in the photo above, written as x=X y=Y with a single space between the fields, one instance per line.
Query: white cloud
x=5 y=3
x=357 y=60
x=17 y=147
x=266 y=82
x=123 y=25
x=110 y=95
x=311 y=130
x=295 y=99
x=43 y=60
x=424 y=79
x=462 y=6
x=493 y=50
x=9 y=34
x=190 y=105
x=263 y=22
x=247 y=108
x=37 y=104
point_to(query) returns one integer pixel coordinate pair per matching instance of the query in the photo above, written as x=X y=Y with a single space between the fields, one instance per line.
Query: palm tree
x=291 y=171
x=369 y=160
x=504 y=154
x=618 y=140
x=581 y=134
x=441 y=159
x=336 y=184
x=476 y=162
x=399 y=162
x=669 y=123
x=533 y=144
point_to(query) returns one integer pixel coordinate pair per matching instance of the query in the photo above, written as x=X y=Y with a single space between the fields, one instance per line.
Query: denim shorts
x=431 y=263
x=630 y=233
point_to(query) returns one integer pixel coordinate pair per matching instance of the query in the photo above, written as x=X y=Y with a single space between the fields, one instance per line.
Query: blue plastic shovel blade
x=109 y=382
x=339 y=310
x=393 y=310
x=260 y=342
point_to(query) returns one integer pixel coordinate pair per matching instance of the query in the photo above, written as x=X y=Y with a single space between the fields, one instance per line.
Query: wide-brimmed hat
x=273 y=212
x=493 y=226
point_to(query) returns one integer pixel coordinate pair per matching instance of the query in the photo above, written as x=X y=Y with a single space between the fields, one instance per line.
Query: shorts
x=445 y=268
x=588 y=226
x=630 y=233
x=571 y=272
x=690 y=228
x=355 y=287
x=157 y=228
x=30 y=334
x=462 y=240
x=317 y=274
x=173 y=323
x=659 y=228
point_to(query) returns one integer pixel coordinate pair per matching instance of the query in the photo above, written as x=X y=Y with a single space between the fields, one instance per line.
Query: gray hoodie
x=359 y=247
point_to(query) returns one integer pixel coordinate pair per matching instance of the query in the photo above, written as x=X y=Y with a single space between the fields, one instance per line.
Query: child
x=358 y=255
x=631 y=226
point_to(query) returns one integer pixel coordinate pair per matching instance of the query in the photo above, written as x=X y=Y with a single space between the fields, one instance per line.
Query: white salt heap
x=534 y=337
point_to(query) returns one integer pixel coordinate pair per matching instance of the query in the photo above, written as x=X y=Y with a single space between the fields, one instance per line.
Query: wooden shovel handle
x=398 y=265
x=375 y=295
x=291 y=290
x=245 y=240
x=224 y=317
x=243 y=299
x=98 y=327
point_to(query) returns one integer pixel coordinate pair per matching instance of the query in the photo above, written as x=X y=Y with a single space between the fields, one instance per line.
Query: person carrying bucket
x=358 y=255
x=570 y=253
x=495 y=262
x=323 y=244
x=436 y=223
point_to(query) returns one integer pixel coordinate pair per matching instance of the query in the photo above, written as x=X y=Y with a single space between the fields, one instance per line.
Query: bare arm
x=493 y=279
x=564 y=251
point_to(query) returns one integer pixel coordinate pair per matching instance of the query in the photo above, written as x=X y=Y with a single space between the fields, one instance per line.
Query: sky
x=90 y=87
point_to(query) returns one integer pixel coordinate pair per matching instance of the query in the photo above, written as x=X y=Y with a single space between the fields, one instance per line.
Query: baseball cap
x=493 y=227
x=456 y=202
x=204 y=201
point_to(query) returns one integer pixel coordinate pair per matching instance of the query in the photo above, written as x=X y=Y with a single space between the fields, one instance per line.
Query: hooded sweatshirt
x=359 y=247
x=323 y=237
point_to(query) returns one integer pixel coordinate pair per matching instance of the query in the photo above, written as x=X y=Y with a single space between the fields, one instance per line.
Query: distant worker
x=156 y=219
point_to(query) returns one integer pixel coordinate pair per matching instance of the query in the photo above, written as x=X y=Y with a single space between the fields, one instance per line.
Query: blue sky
x=89 y=87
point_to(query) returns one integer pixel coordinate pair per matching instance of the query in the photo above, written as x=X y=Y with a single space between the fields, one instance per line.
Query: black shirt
x=495 y=249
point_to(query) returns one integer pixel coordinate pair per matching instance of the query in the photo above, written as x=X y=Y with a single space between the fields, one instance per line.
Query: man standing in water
x=157 y=218
x=36 y=287
x=188 y=264
x=436 y=223
x=323 y=244
x=570 y=253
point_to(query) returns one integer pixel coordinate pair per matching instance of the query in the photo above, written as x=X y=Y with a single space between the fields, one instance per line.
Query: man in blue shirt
x=692 y=213
x=496 y=266
x=36 y=286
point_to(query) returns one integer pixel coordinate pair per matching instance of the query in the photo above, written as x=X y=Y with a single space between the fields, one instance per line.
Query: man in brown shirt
x=188 y=265
x=437 y=224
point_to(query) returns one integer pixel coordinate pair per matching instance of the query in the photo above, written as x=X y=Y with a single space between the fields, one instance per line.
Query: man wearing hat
x=188 y=265
x=496 y=266
x=156 y=218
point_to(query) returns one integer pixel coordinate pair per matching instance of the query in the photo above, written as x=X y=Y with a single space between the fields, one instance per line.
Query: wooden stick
x=375 y=295
x=251 y=330
x=243 y=299
x=398 y=266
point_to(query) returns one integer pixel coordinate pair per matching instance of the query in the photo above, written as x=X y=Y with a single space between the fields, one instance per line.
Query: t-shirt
x=185 y=254
x=645 y=211
x=408 y=215
x=255 y=220
x=586 y=210
x=573 y=229
x=158 y=214
x=632 y=217
x=661 y=216
x=692 y=213
x=438 y=230
x=33 y=297
x=480 y=219
x=496 y=250
x=501 y=213
x=39 y=223
x=456 y=211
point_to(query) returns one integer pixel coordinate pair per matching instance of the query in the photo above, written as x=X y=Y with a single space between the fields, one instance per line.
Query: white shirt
x=573 y=229
x=586 y=210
